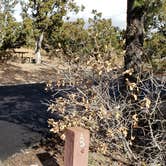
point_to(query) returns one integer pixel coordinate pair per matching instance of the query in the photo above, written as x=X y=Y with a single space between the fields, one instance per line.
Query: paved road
x=23 y=117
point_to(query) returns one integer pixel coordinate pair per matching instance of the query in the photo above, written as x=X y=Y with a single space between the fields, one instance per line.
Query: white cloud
x=17 y=11
x=114 y=9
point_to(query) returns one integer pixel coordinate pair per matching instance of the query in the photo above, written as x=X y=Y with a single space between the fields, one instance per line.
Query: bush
x=127 y=122
x=78 y=39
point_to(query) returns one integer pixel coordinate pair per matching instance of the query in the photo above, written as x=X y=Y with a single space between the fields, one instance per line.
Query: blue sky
x=114 y=9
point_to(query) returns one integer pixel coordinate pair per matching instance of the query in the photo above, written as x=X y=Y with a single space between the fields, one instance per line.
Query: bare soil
x=21 y=92
x=32 y=157
x=23 y=117
x=18 y=73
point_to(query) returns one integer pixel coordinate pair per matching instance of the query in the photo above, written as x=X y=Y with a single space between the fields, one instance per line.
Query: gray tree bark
x=38 y=48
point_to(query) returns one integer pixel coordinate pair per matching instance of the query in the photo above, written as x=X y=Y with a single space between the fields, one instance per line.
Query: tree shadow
x=47 y=160
x=23 y=117
x=23 y=104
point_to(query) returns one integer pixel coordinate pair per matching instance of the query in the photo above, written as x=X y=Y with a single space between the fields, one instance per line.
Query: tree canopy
x=45 y=25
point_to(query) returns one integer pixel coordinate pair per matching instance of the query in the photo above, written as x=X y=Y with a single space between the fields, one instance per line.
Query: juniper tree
x=47 y=14
x=6 y=11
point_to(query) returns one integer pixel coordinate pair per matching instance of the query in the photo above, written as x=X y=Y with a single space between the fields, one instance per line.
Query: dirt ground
x=21 y=92
x=21 y=73
x=23 y=124
x=26 y=78
x=32 y=157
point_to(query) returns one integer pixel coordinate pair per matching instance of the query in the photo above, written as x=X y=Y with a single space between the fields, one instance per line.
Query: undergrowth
x=122 y=122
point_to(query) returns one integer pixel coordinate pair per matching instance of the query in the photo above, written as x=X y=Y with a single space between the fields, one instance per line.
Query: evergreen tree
x=47 y=14
x=6 y=19
x=155 y=15
x=155 y=26
x=27 y=25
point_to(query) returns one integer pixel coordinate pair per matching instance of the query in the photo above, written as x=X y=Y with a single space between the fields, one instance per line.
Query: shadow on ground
x=46 y=159
x=23 y=117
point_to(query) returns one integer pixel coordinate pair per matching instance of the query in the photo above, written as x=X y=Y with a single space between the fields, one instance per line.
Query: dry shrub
x=120 y=121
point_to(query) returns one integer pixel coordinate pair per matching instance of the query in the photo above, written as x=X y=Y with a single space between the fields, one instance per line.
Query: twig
x=152 y=136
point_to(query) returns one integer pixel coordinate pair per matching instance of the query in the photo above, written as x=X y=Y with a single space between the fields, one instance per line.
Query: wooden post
x=76 y=147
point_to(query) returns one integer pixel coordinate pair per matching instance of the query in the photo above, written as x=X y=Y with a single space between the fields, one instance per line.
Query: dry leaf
x=63 y=137
x=134 y=117
x=147 y=102
x=117 y=116
x=132 y=138
x=129 y=71
x=135 y=97
x=110 y=133
x=100 y=73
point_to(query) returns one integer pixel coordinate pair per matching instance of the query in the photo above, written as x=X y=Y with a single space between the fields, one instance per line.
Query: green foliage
x=155 y=15
x=139 y=3
x=7 y=6
x=156 y=51
x=103 y=36
x=9 y=27
x=70 y=33
x=27 y=31
x=48 y=14
x=76 y=39
x=10 y=35
x=155 y=23
x=156 y=45
x=27 y=26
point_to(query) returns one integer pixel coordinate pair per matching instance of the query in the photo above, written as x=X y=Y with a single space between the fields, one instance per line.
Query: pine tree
x=6 y=11
x=47 y=14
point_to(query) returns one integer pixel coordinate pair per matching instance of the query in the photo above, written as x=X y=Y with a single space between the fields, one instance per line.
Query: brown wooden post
x=76 y=147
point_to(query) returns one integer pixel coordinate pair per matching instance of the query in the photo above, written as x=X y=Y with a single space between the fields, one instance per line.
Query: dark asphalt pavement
x=23 y=117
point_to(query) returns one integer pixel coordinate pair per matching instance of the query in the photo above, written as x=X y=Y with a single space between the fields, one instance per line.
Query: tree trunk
x=134 y=40
x=38 y=48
